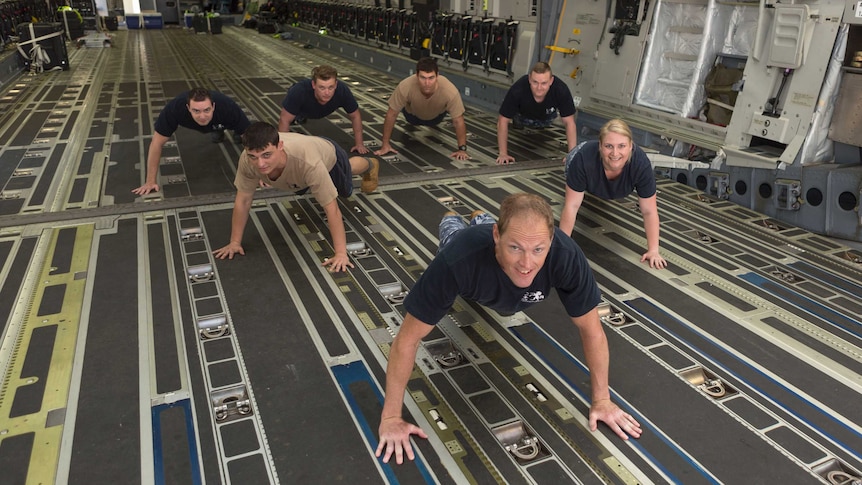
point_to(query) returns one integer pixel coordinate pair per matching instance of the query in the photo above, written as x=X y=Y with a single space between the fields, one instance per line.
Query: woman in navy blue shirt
x=611 y=168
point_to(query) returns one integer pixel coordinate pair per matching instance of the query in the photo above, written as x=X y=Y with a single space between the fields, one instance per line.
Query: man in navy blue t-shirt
x=610 y=168
x=319 y=97
x=507 y=266
x=535 y=100
x=199 y=109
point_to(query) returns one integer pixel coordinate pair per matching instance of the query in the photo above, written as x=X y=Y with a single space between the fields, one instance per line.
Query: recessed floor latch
x=449 y=201
x=843 y=478
x=713 y=387
x=230 y=403
x=200 y=272
x=359 y=249
x=213 y=327
x=836 y=472
x=519 y=441
x=610 y=315
x=450 y=359
x=394 y=292
x=707 y=382
x=785 y=276
x=527 y=448
x=192 y=234
x=446 y=354
x=852 y=256
x=702 y=237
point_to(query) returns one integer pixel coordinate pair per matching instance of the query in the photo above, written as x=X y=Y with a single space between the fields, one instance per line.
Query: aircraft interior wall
x=131 y=353
x=741 y=93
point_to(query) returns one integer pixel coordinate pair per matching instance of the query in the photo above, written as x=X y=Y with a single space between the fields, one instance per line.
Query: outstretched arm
x=649 y=211
x=358 y=144
x=570 y=210
x=394 y=431
x=241 y=208
x=154 y=154
x=388 y=126
x=597 y=356
x=571 y=132
x=503 y=141
x=339 y=261
x=461 y=134
x=284 y=121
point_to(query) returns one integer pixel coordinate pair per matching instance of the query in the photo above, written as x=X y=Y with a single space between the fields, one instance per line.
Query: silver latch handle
x=526 y=449
x=714 y=387
x=451 y=359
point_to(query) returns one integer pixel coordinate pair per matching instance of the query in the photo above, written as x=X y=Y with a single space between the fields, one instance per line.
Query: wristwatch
x=462 y=148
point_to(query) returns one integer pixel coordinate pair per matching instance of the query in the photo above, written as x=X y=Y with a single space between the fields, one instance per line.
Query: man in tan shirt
x=297 y=162
x=425 y=98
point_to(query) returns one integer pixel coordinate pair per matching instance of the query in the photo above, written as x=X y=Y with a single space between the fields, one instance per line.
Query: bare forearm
x=388 y=125
x=154 y=154
x=571 y=205
x=460 y=130
x=336 y=229
x=284 y=121
x=651 y=228
x=398 y=371
x=503 y=136
x=356 y=120
x=598 y=360
x=239 y=219
x=567 y=219
x=571 y=134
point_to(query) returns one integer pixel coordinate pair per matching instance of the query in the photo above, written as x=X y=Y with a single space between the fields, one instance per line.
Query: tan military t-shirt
x=407 y=95
x=309 y=160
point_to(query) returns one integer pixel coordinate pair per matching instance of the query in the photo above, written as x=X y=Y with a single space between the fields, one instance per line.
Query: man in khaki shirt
x=297 y=162
x=425 y=98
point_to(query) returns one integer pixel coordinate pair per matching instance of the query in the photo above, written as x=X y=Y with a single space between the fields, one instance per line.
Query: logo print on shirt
x=533 y=297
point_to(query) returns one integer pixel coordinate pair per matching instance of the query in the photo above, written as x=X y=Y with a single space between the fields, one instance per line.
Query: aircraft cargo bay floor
x=131 y=355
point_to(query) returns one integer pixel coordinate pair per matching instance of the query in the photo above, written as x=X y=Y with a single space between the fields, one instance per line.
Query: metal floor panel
x=130 y=355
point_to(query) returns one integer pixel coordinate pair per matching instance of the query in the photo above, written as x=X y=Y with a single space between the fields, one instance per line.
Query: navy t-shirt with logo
x=468 y=267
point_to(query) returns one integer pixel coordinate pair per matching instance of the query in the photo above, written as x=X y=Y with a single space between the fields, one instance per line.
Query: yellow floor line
x=47 y=432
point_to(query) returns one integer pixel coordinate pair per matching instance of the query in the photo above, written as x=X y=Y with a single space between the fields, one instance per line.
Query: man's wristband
x=462 y=148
